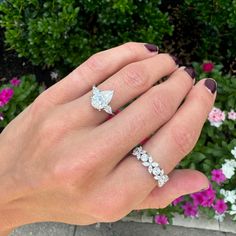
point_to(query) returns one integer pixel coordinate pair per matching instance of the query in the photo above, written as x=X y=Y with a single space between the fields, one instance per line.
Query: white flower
x=231 y=162
x=233 y=151
x=219 y=217
x=54 y=75
x=216 y=124
x=233 y=210
x=229 y=196
x=228 y=170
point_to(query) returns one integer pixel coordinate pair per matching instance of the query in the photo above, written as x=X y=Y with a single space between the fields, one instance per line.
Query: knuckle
x=162 y=106
x=184 y=138
x=96 y=62
x=133 y=128
x=52 y=130
x=134 y=77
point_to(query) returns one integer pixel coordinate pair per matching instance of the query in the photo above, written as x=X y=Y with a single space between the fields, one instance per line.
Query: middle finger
x=131 y=81
x=143 y=117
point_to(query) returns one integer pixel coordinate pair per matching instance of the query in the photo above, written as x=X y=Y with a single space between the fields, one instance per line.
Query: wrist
x=11 y=209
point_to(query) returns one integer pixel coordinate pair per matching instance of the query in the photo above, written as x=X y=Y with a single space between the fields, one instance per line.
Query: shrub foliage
x=68 y=31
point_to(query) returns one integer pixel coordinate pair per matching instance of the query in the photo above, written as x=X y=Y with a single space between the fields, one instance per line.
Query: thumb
x=181 y=182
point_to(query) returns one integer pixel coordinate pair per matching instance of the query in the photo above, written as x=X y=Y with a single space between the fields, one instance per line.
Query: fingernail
x=176 y=60
x=211 y=85
x=151 y=47
x=191 y=72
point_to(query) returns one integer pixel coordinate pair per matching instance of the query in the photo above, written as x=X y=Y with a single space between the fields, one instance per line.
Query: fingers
x=181 y=182
x=178 y=137
x=96 y=69
x=145 y=115
x=171 y=143
x=131 y=81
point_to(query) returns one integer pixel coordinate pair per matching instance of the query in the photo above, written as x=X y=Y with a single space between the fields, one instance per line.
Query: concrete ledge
x=179 y=224
x=45 y=229
x=112 y=229
x=228 y=226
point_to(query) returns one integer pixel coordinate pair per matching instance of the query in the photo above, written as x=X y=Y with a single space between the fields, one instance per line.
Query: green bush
x=66 y=32
x=209 y=28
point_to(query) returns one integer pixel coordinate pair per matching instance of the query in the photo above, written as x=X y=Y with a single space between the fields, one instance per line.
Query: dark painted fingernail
x=191 y=72
x=211 y=85
x=151 y=47
x=176 y=60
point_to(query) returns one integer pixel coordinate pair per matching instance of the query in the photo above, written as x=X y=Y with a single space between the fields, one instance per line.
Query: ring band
x=153 y=167
x=100 y=99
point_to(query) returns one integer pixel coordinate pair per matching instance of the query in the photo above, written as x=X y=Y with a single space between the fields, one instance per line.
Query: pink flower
x=161 y=220
x=14 y=81
x=198 y=198
x=204 y=198
x=232 y=115
x=178 y=200
x=216 y=117
x=209 y=197
x=220 y=206
x=190 y=209
x=207 y=67
x=218 y=176
x=5 y=96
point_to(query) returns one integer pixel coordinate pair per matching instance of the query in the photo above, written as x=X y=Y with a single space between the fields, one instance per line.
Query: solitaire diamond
x=100 y=99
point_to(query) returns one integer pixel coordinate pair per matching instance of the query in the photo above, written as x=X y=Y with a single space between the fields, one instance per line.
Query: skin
x=62 y=160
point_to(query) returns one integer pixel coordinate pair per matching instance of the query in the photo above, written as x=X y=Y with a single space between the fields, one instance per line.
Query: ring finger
x=169 y=145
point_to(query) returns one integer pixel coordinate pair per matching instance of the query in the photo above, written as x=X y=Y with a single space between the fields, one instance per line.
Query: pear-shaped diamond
x=100 y=99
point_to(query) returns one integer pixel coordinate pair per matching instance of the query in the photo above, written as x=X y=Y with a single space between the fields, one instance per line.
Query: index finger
x=97 y=69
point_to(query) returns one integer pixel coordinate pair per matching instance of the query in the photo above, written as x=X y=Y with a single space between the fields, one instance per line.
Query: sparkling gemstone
x=166 y=178
x=154 y=164
x=161 y=182
x=137 y=152
x=150 y=169
x=156 y=171
x=101 y=99
x=146 y=163
x=144 y=157
x=157 y=177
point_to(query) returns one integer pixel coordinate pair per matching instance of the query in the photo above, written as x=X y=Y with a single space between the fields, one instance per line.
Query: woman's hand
x=62 y=160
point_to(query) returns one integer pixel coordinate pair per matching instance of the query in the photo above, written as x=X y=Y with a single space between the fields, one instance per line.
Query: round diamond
x=144 y=157
x=156 y=171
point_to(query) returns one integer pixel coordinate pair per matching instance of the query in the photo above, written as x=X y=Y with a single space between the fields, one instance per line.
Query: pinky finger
x=181 y=182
